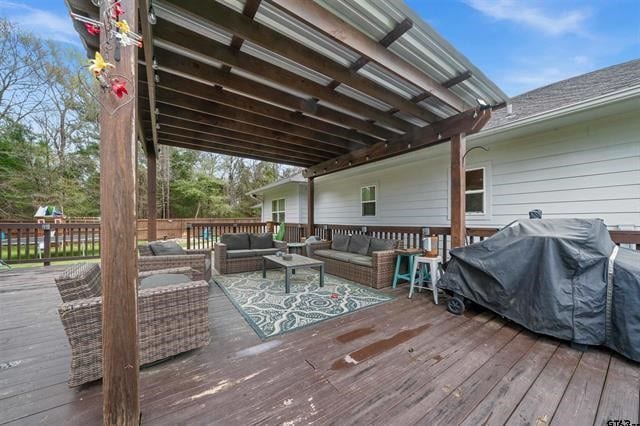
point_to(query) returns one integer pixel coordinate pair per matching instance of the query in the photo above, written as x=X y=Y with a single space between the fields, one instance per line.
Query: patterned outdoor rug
x=270 y=311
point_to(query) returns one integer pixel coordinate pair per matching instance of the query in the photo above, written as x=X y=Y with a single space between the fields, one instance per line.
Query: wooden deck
x=416 y=363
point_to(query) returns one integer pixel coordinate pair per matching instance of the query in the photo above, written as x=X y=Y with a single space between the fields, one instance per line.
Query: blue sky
x=519 y=44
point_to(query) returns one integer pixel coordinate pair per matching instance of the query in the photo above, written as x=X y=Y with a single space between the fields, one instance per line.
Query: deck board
x=417 y=364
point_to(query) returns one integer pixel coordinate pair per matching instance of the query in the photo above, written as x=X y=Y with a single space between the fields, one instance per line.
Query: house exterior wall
x=294 y=206
x=590 y=170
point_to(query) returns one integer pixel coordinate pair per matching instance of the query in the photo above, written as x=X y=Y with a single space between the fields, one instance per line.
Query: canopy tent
x=46 y=212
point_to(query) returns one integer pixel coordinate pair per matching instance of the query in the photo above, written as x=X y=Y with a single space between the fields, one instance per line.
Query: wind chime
x=118 y=32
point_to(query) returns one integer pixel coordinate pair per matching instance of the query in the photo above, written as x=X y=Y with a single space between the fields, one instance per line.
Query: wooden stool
x=410 y=254
x=419 y=263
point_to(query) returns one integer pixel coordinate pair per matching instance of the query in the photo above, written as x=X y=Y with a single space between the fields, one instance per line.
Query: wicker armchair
x=171 y=320
x=378 y=275
x=199 y=260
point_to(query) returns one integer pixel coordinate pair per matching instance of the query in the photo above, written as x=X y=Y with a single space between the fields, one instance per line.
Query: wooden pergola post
x=458 y=187
x=310 y=207
x=152 y=212
x=118 y=258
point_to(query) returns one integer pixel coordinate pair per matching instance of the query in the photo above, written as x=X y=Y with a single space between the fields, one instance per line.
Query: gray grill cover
x=550 y=276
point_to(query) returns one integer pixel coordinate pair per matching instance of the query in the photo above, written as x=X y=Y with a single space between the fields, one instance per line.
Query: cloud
x=551 y=23
x=41 y=23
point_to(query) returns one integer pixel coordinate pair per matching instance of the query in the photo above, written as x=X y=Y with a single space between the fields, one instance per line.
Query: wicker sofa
x=171 y=319
x=360 y=258
x=243 y=252
x=199 y=260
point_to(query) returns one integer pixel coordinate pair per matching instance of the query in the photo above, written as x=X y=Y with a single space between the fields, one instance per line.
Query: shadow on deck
x=410 y=362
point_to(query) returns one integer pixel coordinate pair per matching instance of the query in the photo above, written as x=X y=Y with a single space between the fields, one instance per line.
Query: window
x=277 y=210
x=368 y=200
x=475 y=191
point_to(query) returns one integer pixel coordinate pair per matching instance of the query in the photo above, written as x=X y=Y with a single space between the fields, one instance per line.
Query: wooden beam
x=310 y=207
x=340 y=31
x=223 y=111
x=147 y=45
x=236 y=126
x=152 y=211
x=468 y=122
x=226 y=151
x=386 y=41
x=119 y=269
x=235 y=144
x=449 y=83
x=458 y=185
x=178 y=65
x=177 y=124
x=191 y=41
x=245 y=103
x=238 y=24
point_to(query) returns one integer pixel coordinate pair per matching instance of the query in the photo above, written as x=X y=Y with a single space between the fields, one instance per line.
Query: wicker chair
x=171 y=320
x=378 y=275
x=200 y=260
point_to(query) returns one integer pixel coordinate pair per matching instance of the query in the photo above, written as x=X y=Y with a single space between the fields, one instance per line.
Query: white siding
x=303 y=203
x=589 y=170
x=293 y=207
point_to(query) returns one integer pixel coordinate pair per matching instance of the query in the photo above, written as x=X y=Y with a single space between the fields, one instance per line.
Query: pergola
x=325 y=85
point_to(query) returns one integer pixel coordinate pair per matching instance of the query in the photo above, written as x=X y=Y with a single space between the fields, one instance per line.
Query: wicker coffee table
x=290 y=266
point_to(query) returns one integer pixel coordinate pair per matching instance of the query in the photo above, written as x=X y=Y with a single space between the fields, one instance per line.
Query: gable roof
x=568 y=92
x=297 y=178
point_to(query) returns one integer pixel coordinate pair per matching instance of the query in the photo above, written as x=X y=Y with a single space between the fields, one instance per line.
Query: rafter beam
x=196 y=70
x=225 y=151
x=168 y=34
x=449 y=83
x=225 y=97
x=331 y=25
x=238 y=24
x=180 y=123
x=224 y=123
x=147 y=45
x=468 y=122
x=236 y=114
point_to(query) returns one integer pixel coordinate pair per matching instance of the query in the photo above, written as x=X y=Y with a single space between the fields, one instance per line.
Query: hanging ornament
x=116 y=11
x=119 y=88
x=98 y=65
x=92 y=29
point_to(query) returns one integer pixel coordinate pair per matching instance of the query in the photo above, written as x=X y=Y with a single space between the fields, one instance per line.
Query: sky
x=519 y=44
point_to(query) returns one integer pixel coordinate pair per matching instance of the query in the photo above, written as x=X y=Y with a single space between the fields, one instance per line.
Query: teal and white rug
x=270 y=311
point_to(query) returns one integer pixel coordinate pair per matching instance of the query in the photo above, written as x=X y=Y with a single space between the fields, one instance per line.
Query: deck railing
x=33 y=242
x=204 y=235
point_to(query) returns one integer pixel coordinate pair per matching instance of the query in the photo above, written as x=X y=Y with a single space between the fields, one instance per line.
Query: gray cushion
x=378 y=244
x=238 y=254
x=359 y=244
x=261 y=241
x=361 y=260
x=166 y=248
x=335 y=254
x=236 y=241
x=340 y=242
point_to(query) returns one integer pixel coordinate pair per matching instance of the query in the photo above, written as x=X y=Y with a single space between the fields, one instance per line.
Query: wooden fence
x=177 y=228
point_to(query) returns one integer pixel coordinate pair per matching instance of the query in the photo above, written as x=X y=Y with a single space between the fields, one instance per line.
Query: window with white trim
x=277 y=210
x=475 y=193
x=368 y=200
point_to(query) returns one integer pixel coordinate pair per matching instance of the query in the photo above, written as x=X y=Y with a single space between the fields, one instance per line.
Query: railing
x=204 y=235
x=34 y=243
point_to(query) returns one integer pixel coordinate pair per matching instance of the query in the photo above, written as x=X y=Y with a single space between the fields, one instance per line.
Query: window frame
x=477 y=191
x=374 y=201
x=277 y=211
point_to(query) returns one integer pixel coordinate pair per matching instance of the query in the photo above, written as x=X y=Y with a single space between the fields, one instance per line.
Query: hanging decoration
x=119 y=36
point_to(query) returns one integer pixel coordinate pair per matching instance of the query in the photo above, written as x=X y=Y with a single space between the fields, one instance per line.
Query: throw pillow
x=261 y=241
x=378 y=244
x=165 y=248
x=340 y=242
x=236 y=241
x=359 y=244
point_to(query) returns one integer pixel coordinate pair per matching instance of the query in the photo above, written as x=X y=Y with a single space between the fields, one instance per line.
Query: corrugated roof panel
x=282 y=62
x=295 y=29
x=411 y=119
x=362 y=97
x=437 y=107
x=392 y=82
x=363 y=15
x=179 y=50
x=191 y=22
x=266 y=82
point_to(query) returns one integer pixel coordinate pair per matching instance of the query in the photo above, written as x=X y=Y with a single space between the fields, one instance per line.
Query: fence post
x=46 y=228
x=328 y=233
x=270 y=227
x=188 y=236
x=235 y=228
